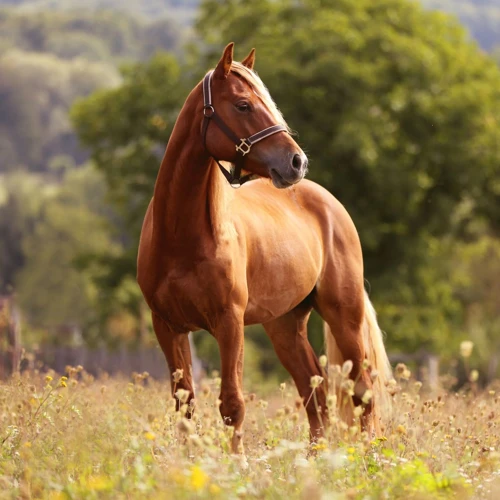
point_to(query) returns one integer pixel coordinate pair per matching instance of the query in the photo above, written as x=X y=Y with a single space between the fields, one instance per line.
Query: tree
x=126 y=130
x=52 y=292
x=36 y=92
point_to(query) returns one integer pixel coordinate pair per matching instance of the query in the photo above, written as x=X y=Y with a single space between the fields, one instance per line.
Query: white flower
x=466 y=348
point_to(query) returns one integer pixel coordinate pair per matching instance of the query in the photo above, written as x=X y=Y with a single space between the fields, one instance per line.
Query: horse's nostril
x=297 y=161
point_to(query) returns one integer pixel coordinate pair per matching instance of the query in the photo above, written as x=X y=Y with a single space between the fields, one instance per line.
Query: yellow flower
x=198 y=478
x=48 y=379
x=401 y=429
x=150 y=436
x=99 y=483
x=318 y=446
x=214 y=489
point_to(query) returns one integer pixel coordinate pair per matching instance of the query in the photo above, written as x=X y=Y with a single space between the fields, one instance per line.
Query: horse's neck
x=190 y=196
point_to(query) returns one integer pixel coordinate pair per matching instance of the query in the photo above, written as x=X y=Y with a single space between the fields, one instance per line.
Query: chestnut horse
x=215 y=258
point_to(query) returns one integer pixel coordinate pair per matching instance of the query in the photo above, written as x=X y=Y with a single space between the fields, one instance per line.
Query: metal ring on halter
x=210 y=108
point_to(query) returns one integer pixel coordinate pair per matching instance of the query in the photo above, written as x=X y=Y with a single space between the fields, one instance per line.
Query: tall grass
x=80 y=437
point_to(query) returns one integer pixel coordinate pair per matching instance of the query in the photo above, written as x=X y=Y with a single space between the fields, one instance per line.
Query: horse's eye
x=243 y=106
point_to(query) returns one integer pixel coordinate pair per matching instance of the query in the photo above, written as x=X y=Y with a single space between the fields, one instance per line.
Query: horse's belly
x=278 y=291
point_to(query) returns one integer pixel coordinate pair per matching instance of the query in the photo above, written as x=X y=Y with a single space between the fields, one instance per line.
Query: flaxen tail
x=376 y=355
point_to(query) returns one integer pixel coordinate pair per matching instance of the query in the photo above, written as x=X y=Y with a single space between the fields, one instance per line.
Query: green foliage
x=58 y=218
x=36 y=92
x=127 y=129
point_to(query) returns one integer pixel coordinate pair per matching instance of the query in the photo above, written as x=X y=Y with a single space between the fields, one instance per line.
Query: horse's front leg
x=229 y=335
x=177 y=351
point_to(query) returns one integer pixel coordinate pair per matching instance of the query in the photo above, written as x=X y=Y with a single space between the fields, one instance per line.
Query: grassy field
x=80 y=437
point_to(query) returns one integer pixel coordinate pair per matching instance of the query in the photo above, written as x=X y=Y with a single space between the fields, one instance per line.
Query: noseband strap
x=243 y=146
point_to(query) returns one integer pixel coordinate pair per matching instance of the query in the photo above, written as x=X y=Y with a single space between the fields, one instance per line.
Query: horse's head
x=247 y=127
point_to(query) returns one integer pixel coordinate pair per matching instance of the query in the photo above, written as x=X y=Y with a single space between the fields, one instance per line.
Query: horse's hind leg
x=289 y=337
x=177 y=351
x=344 y=316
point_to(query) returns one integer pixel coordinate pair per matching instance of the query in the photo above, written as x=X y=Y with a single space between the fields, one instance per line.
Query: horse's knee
x=232 y=409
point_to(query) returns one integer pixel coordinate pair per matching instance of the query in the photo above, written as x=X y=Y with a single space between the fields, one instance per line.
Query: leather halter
x=243 y=146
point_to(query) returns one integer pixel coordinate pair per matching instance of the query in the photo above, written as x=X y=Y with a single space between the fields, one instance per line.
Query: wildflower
x=263 y=404
x=198 y=478
x=320 y=445
x=62 y=383
x=348 y=387
x=466 y=348
x=474 y=376
x=316 y=381
x=177 y=375
x=400 y=370
x=366 y=364
x=374 y=375
x=48 y=379
x=195 y=440
x=392 y=387
x=323 y=361
x=331 y=400
x=185 y=426
x=182 y=395
x=347 y=368
x=150 y=436
x=214 y=489
x=282 y=387
x=367 y=396
x=401 y=429
x=358 y=411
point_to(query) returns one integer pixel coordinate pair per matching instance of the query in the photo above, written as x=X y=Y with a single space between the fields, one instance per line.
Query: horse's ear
x=249 y=60
x=224 y=65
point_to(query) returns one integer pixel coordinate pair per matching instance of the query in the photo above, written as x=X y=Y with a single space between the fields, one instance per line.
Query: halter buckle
x=243 y=147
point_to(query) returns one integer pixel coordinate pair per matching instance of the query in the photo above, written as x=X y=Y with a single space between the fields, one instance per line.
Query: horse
x=216 y=258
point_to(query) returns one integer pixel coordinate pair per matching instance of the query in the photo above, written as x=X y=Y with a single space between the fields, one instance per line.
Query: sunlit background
x=396 y=102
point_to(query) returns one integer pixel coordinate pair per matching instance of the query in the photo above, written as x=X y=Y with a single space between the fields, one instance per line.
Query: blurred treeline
x=397 y=107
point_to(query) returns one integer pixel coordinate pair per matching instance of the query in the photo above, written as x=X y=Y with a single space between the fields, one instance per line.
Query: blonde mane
x=260 y=91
